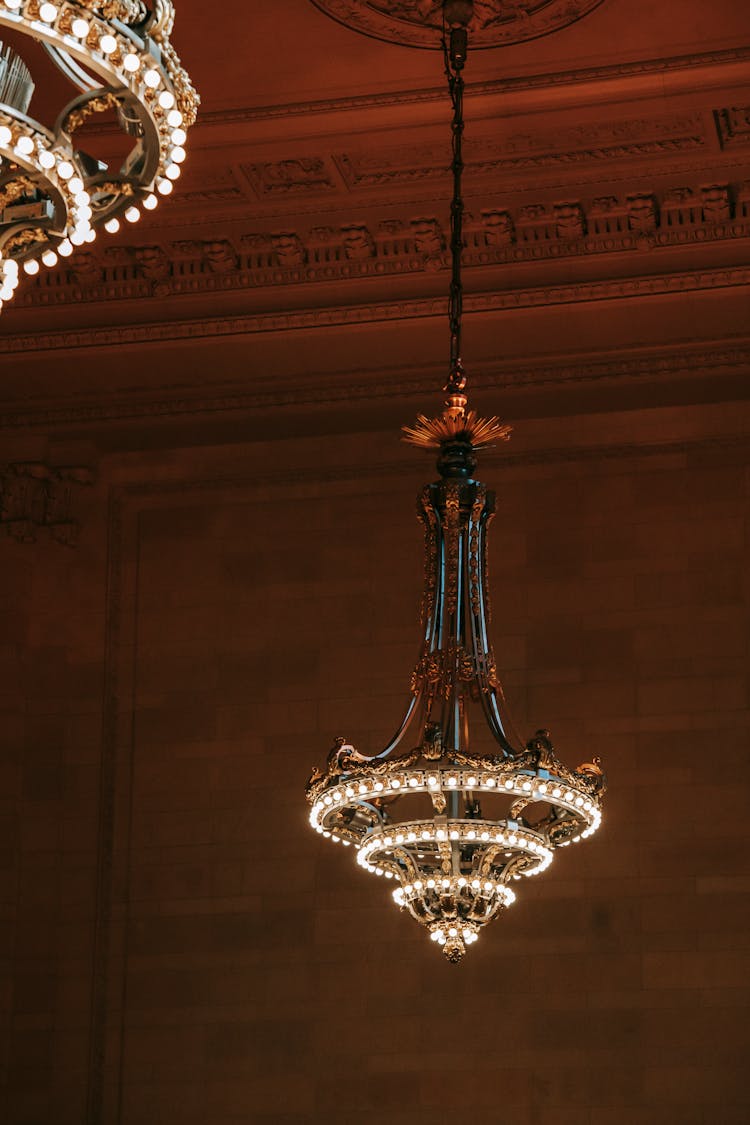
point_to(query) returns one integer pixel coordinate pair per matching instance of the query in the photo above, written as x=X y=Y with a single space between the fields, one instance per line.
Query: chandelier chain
x=454 y=51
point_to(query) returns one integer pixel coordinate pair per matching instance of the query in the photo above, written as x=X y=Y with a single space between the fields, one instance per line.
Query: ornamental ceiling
x=303 y=252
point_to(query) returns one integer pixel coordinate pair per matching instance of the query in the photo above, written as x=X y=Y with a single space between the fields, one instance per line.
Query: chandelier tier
x=53 y=195
x=456 y=808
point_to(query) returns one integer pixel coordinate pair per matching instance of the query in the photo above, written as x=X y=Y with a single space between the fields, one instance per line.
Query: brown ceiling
x=303 y=250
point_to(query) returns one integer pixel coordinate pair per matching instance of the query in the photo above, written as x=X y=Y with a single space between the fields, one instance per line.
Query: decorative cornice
x=407 y=309
x=535 y=232
x=518 y=83
x=318 y=390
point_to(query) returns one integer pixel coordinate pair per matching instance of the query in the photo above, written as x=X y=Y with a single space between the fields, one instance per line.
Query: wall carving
x=291 y=177
x=535 y=232
x=35 y=497
x=733 y=126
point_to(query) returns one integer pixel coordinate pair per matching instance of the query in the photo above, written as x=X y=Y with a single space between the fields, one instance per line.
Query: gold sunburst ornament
x=457 y=809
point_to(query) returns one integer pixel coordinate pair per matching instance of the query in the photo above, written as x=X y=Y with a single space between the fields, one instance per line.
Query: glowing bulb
x=108 y=44
x=24 y=146
x=164 y=187
x=131 y=63
x=82 y=199
x=5 y=135
x=84 y=214
x=112 y=225
x=13 y=4
x=172 y=171
x=166 y=99
x=174 y=118
x=49 y=257
x=47 y=158
x=48 y=12
x=90 y=235
x=77 y=238
x=31 y=267
x=65 y=169
x=152 y=78
x=75 y=184
x=179 y=136
x=65 y=248
x=10 y=266
x=80 y=28
x=178 y=155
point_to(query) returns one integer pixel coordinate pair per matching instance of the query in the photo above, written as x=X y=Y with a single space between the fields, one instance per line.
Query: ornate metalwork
x=498 y=807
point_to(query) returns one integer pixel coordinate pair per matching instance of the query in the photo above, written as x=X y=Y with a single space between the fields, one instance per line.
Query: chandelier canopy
x=457 y=808
x=53 y=195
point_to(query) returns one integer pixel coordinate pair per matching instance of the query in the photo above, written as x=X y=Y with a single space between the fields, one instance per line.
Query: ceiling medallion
x=494 y=23
x=53 y=194
x=457 y=808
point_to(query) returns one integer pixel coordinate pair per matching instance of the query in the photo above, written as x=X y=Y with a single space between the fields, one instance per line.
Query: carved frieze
x=35 y=497
x=592 y=142
x=419 y=22
x=303 y=176
x=532 y=232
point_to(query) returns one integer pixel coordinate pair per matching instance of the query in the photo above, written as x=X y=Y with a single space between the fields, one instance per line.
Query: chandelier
x=457 y=809
x=53 y=195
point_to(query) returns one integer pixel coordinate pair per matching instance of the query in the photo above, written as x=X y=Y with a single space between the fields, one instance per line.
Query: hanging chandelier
x=53 y=195
x=456 y=809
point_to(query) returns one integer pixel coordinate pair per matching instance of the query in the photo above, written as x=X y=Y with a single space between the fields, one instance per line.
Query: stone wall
x=178 y=947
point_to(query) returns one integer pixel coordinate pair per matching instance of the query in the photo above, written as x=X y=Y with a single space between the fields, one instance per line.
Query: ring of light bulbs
x=131 y=67
x=455 y=902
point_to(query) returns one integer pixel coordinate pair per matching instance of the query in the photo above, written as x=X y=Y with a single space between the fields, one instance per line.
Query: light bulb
x=112 y=225
x=49 y=257
x=77 y=238
x=75 y=184
x=65 y=169
x=179 y=136
x=10 y=266
x=5 y=135
x=65 y=248
x=83 y=199
x=164 y=187
x=174 y=118
x=131 y=63
x=47 y=158
x=90 y=235
x=6 y=292
x=24 y=146
x=178 y=154
x=31 y=267
x=166 y=99
x=13 y=4
x=108 y=44
x=48 y=12
x=84 y=214
x=152 y=78
x=132 y=214
x=80 y=28
x=172 y=171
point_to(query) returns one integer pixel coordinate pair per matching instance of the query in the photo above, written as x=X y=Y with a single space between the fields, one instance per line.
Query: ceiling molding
x=682 y=360
x=673 y=64
x=246 y=324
